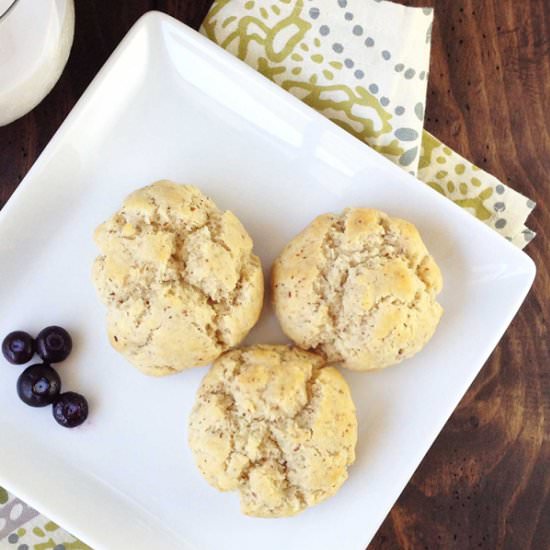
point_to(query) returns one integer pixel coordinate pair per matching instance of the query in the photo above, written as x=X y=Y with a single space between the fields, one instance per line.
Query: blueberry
x=70 y=409
x=38 y=385
x=18 y=347
x=54 y=344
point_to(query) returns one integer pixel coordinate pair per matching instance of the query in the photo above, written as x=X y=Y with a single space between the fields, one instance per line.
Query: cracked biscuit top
x=275 y=424
x=178 y=277
x=359 y=287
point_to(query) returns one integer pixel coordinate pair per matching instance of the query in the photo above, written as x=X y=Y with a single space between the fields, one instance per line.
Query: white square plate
x=170 y=104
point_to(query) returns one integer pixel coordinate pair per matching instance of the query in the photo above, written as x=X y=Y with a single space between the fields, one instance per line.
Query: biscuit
x=359 y=287
x=275 y=424
x=178 y=277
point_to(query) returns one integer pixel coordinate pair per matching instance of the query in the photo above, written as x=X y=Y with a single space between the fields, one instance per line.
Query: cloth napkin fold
x=364 y=64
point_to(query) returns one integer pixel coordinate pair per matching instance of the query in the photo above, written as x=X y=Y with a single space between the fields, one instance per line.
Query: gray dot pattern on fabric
x=23 y=547
x=499 y=207
x=500 y=189
x=403 y=134
x=13 y=538
x=314 y=13
x=429 y=33
x=500 y=223
x=408 y=157
x=406 y=134
x=60 y=547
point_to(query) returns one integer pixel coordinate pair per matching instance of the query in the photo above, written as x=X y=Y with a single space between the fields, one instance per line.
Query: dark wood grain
x=485 y=483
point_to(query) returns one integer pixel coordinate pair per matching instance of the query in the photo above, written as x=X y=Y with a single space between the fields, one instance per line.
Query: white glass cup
x=35 y=41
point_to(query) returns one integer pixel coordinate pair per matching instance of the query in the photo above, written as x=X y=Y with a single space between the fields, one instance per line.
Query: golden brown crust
x=359 y=287
x=275 y=424
x=178 y=277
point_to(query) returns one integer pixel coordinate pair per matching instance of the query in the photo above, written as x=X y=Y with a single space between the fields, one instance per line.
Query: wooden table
x=486 y=481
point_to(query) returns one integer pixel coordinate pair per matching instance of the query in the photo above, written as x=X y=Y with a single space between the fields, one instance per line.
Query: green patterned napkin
x=499 y=206
x=364 y=64
x=22 y=528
